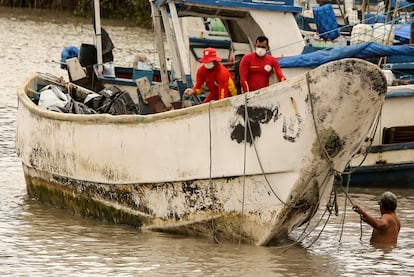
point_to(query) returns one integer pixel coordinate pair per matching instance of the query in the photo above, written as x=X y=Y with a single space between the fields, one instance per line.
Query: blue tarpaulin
x=326 y=23
x=364 y=51
x=402 y=32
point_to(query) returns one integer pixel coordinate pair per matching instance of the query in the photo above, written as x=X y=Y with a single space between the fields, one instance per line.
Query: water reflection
x=50 y=236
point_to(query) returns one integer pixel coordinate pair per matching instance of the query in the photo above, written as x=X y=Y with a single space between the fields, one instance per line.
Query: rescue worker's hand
x=188 y=92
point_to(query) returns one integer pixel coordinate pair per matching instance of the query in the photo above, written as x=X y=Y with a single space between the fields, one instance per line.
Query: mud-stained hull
x=217 y=170
x=196 y=208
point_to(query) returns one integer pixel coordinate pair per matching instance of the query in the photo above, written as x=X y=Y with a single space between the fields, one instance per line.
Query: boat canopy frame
x=240 y=18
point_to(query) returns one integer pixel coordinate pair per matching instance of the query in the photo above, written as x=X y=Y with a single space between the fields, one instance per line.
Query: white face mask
x=209 y=65
x=260 y=51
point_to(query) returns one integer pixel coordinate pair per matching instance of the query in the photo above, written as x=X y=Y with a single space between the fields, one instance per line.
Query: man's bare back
x=387 y=228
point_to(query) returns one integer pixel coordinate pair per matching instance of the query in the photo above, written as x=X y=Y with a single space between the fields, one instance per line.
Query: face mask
x=209 y=65
x=260 y=51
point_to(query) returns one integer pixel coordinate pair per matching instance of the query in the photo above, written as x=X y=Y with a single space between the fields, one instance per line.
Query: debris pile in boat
x=110 y=100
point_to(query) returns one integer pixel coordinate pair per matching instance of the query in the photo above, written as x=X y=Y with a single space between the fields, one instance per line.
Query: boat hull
x=213 y=170
x=205 y=208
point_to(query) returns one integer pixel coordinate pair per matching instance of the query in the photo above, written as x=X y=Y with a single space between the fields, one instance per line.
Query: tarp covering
x=364 y=51
x=402 y=32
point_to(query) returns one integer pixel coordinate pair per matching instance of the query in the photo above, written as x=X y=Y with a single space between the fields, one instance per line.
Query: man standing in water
x=387 y=228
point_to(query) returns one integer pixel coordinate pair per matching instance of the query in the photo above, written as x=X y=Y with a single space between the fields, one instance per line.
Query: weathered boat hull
x=191 y=170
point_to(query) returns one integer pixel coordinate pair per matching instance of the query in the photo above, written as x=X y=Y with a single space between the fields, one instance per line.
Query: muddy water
x=37 y=240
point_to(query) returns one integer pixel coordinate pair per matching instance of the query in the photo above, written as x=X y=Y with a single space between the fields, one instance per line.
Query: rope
x=323 y=228
x=314 y=124
x=347 y=197
x=372 y=135
x=331 y=170
x=259 y=160
x=303 y=236
x=210 y=180
x=244 y=168
x=345 y=205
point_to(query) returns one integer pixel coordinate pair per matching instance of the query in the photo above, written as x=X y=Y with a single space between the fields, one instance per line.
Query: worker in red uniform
x=215 y=76
x=256 y=67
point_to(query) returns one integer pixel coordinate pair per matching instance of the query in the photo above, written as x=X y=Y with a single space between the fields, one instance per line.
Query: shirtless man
x=386 y=228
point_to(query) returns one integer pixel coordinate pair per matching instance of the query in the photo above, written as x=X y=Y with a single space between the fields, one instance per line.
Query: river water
x=38 y=240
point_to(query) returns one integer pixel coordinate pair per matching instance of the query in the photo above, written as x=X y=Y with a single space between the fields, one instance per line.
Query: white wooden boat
x=389 y=159
x=199 y=170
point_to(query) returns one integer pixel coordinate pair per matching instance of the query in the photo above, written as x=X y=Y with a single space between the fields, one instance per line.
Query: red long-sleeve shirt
x=255 y=71
x=218 y=80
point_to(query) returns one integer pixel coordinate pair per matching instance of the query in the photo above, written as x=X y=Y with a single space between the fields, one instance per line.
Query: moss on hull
x=61 y=197
x=330 y=140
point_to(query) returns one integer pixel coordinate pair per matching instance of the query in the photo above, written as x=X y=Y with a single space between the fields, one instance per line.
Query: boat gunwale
x=108 y=118
x=400 y=146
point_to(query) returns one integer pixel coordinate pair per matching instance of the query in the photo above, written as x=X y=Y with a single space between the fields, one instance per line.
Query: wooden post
x=411 y=26
x=180 y=44
x=160 y=45
x=98 y=35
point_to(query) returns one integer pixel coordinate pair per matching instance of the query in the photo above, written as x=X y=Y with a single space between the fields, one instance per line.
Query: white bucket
x=109 y=70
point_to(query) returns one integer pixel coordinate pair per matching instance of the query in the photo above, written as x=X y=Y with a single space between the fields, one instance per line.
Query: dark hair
x=388 y=201
x=262 y=38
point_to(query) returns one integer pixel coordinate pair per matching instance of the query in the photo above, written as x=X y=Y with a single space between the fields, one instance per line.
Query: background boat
x=388 y=161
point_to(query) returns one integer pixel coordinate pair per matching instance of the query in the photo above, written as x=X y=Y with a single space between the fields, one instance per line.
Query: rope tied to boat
x=210 y=179
x=332 y=205
x=338 y=179
x=249 y=128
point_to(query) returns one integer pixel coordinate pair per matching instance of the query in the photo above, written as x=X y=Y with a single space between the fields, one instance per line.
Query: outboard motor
x=87 y=53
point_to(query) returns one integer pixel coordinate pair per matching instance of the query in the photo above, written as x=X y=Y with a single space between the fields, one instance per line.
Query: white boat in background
x=249 y=168
x=186 y=34
x=389 y=160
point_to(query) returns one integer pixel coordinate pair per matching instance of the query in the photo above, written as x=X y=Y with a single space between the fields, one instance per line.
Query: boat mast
x=180 y=45
x=177 y=72
x=160 y=45
x=98 y=35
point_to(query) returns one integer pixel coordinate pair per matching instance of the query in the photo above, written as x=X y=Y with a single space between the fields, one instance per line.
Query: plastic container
x=361 y=33
x=383 y=34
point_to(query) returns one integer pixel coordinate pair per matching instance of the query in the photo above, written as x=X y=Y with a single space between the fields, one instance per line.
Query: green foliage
x=136 y=12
